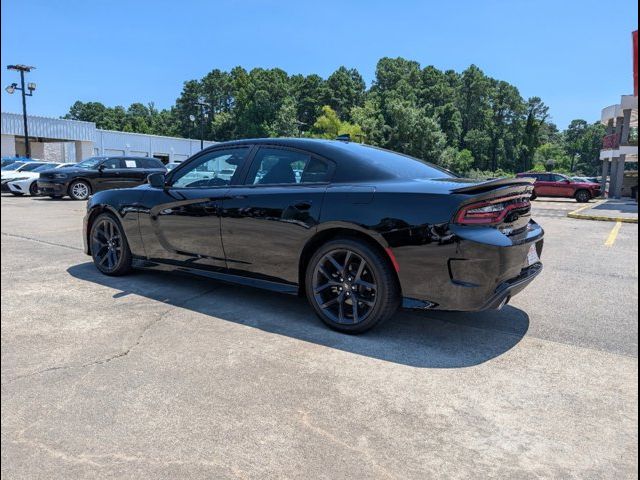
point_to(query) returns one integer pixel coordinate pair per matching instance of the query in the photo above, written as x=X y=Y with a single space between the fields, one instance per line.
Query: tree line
x=468 y=122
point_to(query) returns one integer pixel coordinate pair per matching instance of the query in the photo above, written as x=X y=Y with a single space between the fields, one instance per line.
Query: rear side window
x=274 y=166
x=149 y=163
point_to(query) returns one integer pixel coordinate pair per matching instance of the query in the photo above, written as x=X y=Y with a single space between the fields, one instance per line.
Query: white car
x=23 y=182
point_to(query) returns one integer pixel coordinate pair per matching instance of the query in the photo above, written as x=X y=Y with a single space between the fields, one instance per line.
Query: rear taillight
x=490 y=212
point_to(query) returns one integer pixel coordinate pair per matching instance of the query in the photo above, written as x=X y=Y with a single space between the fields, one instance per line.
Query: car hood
x=10 y=175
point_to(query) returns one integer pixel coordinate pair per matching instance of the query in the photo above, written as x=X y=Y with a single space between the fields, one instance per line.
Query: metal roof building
x=56 y=139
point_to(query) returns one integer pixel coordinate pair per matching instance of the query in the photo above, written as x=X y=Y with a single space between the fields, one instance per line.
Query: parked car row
x=77 y=180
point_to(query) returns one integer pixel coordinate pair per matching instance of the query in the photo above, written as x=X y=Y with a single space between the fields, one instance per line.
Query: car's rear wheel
x=109 y=247
x=351 y=286
x=33 y=189
x=583 y=196
x=79 y=190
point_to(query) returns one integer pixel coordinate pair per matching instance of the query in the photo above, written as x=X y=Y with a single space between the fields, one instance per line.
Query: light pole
x=203 y=115
x=192 y=119
x=31 y=87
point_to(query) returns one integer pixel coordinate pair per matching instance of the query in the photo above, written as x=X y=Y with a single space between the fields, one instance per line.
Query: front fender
x=124 y=206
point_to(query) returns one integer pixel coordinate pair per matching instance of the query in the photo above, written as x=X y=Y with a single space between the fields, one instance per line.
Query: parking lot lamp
x=203 y=116
x=31 y=87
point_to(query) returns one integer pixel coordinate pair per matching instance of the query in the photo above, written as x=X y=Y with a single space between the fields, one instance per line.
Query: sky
x=575 y=55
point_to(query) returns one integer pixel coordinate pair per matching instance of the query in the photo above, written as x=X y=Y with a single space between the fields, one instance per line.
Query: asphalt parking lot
x=161 y=376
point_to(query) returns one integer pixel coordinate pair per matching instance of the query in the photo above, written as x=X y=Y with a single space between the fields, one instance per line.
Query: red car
x=556 y=185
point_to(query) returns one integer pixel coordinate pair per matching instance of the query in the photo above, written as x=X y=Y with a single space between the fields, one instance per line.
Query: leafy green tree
x=552 y=157
x=309 y=93
x=537 y=114
x=473 y=100
x=344 y=90
x=330 y=126
x=457 y=161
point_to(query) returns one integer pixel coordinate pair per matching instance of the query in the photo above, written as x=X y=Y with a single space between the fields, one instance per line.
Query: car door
x=267 y=221
x=181 y=223
x=543 y=185
x=561 y=186
x=133 y=173
x=109 y=174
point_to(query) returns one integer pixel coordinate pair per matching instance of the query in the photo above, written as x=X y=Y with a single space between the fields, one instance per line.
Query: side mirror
x=156 y=180
x=101 y=167
x=567 y=181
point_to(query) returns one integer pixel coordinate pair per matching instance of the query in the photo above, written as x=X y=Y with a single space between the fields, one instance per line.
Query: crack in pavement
x=32 y=239
x=120 y=354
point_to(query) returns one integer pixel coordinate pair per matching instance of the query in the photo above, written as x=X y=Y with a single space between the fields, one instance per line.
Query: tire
x=109 y=247
x=33 y=189
x=583 y=196
x=79 y=190
x=335 y=276
x=534 y=196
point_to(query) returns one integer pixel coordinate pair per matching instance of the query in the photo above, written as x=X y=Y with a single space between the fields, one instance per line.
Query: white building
x=60 y=140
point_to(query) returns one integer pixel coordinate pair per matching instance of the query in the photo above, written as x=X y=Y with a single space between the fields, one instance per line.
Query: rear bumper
x=511 y=287
x=48 y=187
x=478 y=269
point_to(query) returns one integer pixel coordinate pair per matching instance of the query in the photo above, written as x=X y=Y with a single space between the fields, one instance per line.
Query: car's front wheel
x=109 y=247
x=351 y=286
x=583 y=196
x=33 y=189
x=79 y=190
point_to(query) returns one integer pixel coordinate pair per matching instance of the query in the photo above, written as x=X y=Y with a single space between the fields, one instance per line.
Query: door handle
x=304 y=205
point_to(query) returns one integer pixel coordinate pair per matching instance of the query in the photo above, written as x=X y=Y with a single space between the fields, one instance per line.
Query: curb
x=603 y=219
x=580 y=216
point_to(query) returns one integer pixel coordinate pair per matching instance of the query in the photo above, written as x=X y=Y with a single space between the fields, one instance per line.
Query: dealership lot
x=163 y=376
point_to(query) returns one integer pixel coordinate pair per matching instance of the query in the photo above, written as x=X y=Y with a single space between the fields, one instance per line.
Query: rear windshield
x=402 y=166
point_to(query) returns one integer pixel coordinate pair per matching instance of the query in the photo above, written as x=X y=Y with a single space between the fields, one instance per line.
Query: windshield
x=46 y=166
x=29 y=167
x=12 y=166
x=92 y=162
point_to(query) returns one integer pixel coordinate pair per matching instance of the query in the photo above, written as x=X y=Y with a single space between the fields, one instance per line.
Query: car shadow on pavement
x=423 y=339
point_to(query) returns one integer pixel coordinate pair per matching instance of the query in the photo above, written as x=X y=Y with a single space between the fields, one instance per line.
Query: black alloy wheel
x=79 y=190
x=350 y=286
x=33 y=189
x=109 y=247
x=582 y=196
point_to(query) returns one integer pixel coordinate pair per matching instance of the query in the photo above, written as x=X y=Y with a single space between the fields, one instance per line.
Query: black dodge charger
x=357 y=229
x=97 y=173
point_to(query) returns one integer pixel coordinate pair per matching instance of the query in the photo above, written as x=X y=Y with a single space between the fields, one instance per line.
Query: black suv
x=97 y=173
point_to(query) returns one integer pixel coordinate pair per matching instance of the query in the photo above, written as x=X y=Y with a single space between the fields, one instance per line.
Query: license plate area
x=532 y=255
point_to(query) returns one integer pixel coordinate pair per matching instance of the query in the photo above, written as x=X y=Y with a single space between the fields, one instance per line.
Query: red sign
x=635 y=63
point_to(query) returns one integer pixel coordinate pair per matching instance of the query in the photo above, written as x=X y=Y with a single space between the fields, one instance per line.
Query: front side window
x=558 y=178
x=274 y=166
x=92 y=162
x=113 y=163
x=213 y=169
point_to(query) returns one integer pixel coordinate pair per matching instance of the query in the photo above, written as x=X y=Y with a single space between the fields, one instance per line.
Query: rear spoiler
x=494 y=184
